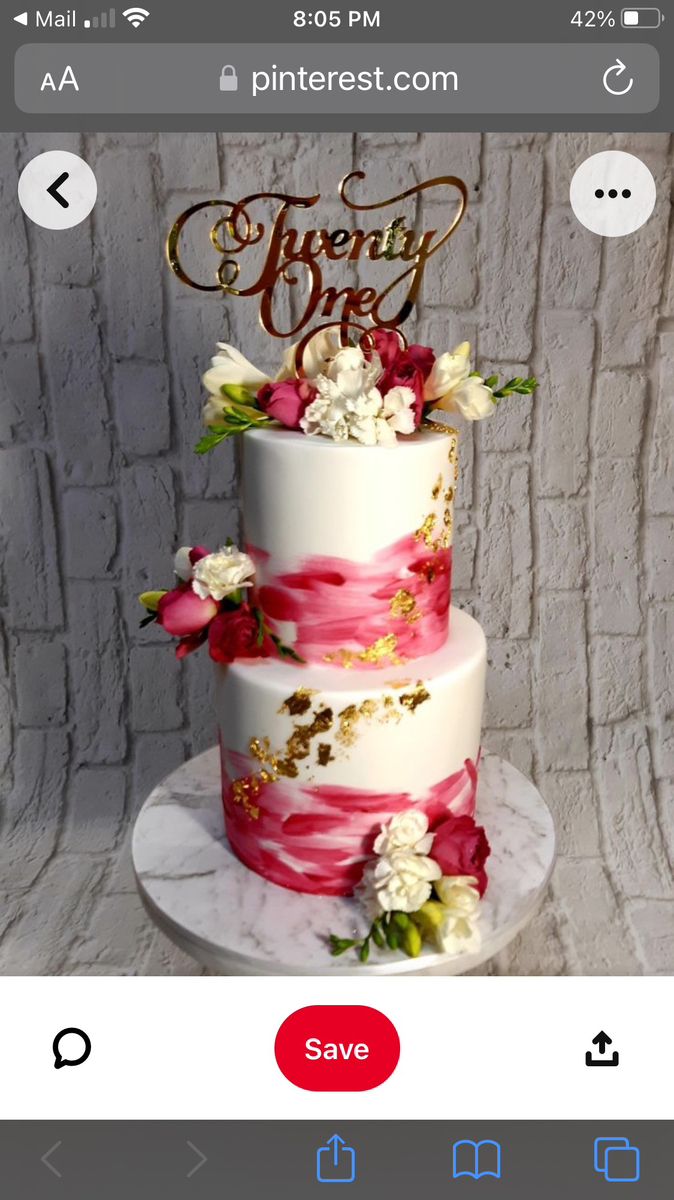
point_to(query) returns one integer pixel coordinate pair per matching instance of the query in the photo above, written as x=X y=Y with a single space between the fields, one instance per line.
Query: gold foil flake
x=368 y=708
x=259 y=749
x=449 y=495
x=396 y=684
x=242 y=790
x=438 y=488
x=324 y=754
x=447 y=518
x=348 y=717
x=321 y=722
x=437 y=427
x=456 y=472
x=418 y=695
x=287 y=767
x=425 y=531
x=299 y=703
x=384 y=647
x=403 y=605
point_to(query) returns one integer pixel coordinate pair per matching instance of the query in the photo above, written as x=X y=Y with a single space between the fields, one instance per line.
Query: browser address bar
x=236 y=79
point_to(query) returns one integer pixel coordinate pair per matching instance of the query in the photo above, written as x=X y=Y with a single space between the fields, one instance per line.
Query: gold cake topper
x=288 y=252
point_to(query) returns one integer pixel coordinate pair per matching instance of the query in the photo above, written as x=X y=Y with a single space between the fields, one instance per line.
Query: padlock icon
x=228 y=79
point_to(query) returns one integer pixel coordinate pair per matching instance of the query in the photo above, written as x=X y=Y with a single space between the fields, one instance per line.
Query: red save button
x=337 y=1048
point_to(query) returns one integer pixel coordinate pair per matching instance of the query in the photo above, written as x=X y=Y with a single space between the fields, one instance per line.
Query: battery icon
x=641 y=18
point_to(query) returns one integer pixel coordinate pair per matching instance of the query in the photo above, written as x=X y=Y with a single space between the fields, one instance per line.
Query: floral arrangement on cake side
x=209 y=604
x=423 y=886
x=370 y=392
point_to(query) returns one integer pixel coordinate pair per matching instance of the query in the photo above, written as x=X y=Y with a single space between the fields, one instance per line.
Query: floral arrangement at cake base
x=423 y=886
x=209 y=604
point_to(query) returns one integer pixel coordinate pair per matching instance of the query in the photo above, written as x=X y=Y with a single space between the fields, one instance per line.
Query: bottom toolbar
x=171 y=1159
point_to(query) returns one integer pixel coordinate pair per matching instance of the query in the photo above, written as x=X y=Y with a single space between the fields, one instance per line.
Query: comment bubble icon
x=71 y=1047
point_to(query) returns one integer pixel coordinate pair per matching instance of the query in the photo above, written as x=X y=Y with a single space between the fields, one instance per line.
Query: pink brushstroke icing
x=317 y=839
x=337 y=604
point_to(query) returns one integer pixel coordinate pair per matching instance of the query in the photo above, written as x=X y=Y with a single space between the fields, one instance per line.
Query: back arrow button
x=53 y=190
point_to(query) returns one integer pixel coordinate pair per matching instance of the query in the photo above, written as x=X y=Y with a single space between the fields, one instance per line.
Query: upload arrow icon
x=602 y=1041
x=57 y=189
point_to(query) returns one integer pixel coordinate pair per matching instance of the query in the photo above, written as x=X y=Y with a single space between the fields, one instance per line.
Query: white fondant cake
x=352 y=553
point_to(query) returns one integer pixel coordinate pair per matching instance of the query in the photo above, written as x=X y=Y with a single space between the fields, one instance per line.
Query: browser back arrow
x=50 y=1166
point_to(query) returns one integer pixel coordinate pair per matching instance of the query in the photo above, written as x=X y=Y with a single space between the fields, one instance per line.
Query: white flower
x=452 y=388
x=318 y=352
x=399 y=409
x=231 y=367
x=349 y=404
x=218 y=575
x=213 y=412
x=458 y=932
x=402 y=881
x=406 y=831
x=182 y=565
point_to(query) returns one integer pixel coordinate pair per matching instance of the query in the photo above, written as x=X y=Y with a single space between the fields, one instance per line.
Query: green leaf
x=147 y=620
x=340 y=945
x=365 y=951
x=210 y=440
x=285 y=651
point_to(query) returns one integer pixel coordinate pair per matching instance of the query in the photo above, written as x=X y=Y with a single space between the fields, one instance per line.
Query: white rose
x=458 y=932
x=182 y=565
x=406 y=831
x=231 y=367
x=402 y=881
x=453 y=389
x=218 y=575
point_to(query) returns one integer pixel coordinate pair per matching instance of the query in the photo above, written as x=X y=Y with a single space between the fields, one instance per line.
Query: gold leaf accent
x=403 y=605
x=437 y=488
x=299 y=703
x=384 y=647
x=425 y=531
x=418 y=695
x=324 y=754
x=449 y=495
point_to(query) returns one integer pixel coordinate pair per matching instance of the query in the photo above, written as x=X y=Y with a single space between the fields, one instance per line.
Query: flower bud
x=411 y=941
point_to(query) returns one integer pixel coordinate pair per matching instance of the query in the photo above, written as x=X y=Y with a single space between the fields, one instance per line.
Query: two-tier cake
x=348 y=693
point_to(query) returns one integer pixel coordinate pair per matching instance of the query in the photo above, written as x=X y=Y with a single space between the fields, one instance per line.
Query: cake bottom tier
x=315 y=760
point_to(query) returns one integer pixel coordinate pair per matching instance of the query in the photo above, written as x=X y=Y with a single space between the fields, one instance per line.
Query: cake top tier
x=351 y=543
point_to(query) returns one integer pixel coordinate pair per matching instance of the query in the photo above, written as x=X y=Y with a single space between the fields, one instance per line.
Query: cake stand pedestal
x=234 y=922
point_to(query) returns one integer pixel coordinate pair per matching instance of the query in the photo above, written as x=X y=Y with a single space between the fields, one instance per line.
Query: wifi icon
x=135 y=16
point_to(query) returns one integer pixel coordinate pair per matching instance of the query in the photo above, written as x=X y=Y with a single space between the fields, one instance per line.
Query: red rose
x=287 y=401
x=235 y=634
x=183 y=613
x=385 y=343
x=423 y=358
x=403 y=368
x=460 y=847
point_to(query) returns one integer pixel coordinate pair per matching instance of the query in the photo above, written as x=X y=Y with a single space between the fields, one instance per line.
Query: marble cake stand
x=231 y=920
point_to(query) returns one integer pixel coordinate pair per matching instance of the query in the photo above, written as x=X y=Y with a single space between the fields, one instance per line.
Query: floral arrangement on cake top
x=423 y=887
x=208 y=604
x=370 y=392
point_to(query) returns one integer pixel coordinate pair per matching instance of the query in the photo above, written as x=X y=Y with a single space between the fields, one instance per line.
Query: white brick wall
x=565 y=521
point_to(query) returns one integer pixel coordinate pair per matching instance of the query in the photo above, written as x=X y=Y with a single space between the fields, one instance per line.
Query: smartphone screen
x=337 y=600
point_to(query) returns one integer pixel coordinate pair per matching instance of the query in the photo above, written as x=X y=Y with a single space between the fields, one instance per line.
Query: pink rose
x=182 y=613
x=235 y=634
x=460 y=847
x=286 y=401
